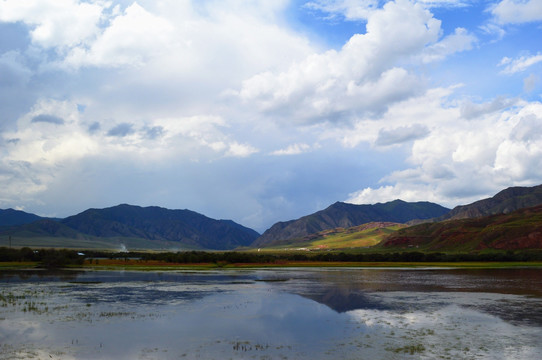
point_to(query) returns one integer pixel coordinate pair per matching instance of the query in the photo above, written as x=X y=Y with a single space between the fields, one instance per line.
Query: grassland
x=519 y=230
x=362 y=236
x=94 y=243
x=156 y=265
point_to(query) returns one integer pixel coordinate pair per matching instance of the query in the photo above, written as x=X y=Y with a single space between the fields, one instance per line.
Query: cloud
x=422 y=108
x=401 y=134
x=445 y=3
x=530 y=82
x=62 y=23
x=362 y=9
x=360 y=78
x=214 y=96
x=390 y=193
x=349 y=9
x=459 y=161
x=94 y=127
x=15 y=79
x=293 y=149
x=459 y=41
x=51 y=119
x=21 y=185
x=517 y=11
x=470 y=110
x=129 y=40
x=493 y=29
x=154 y=132
x=528 y=129
x=14 y=72
x=240 y=150
x=522 y=63
x=121 y=130
x=39 y=160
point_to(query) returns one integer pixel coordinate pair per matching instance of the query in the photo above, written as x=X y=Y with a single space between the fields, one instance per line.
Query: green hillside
x=112 y=243
x=344 y=215
x=340 y=238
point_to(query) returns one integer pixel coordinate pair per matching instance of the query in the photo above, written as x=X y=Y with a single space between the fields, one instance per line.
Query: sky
x=266 y=110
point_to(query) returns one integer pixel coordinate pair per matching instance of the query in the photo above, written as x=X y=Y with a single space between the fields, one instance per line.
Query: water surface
x=272 y=314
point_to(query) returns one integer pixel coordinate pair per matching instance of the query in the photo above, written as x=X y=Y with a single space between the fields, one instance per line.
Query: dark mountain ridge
x=11 y=217
x=156 y=223
x=184 y=227
x=504 y=202
x=347 y=215
x=192 y=230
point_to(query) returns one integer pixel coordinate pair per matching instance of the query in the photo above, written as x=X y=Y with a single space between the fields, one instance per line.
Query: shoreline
x=153 y=265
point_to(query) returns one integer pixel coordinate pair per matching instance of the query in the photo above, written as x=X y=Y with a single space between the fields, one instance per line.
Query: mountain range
x=159 y=228
x=516 y=230
x=504 y=202
x=11 y=217
x=125 y=223
x=346 y=215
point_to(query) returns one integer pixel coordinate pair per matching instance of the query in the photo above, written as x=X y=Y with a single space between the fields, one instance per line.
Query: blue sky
x=266 y=110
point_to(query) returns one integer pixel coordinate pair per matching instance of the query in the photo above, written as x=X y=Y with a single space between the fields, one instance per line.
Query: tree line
x=50 y=258
x=61 y=257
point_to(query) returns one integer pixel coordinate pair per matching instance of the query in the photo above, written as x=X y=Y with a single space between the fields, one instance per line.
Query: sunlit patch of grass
x=18 y=264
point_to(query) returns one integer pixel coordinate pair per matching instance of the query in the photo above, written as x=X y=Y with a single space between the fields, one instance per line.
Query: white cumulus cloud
x=130 y=39
x=362 y=77
x=517 y=11
x=461 y=160
x=56 y=23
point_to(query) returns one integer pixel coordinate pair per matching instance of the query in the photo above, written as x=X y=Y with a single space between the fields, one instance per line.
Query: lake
x=290 y=313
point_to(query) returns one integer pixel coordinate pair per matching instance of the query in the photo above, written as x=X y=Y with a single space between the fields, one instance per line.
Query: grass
x=17 y=264
x=519 y=230
x=155 y=265
x=151 y=265
x=92 y=243
x=361 y=236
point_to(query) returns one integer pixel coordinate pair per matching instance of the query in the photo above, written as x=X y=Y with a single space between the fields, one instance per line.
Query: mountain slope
x=521 y=229
x=504 y=202
x=346 y=215
x=10 y=217
x=155 y=223
x=359 y=236
x=41 y=228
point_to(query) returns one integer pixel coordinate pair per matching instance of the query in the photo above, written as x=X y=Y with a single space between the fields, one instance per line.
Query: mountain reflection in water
x=272 y=313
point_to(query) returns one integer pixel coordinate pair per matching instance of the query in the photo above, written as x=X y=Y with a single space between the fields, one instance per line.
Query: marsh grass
x=411 y=349
x=157 y=265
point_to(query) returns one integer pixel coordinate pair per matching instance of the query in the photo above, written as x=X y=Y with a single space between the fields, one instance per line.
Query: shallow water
x=272 y=314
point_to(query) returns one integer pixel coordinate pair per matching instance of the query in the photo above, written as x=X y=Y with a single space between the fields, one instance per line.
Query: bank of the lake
x=154 y=265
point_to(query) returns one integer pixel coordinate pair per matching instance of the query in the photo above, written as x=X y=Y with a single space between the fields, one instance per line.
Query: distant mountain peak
x=157 y=223
x=505 y=201
x=346 y=215
x=186 y=228
x=12 y=217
